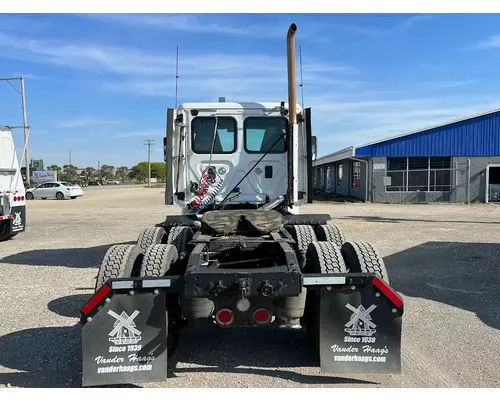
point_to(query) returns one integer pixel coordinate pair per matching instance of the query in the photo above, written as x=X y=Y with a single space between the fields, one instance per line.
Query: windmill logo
x=124 y=330
x=17 y=219
x=360 y=323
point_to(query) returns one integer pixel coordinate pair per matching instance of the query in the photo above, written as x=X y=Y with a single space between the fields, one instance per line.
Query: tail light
x=261 y=316
x=224 y=316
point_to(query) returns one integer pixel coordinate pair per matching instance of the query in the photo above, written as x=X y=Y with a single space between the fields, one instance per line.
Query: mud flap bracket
x=360 y=331
x=125 y=340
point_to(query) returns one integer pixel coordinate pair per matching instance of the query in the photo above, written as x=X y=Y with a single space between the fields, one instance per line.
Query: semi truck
x=12 y=190
x=240 y=253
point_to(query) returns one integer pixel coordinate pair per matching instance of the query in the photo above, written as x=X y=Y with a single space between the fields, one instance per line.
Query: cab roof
x=235 y=106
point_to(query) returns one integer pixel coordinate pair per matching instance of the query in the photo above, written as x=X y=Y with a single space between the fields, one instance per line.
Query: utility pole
x=23 y=99
x=70 y=156
x=149 y=143
x=25 y=123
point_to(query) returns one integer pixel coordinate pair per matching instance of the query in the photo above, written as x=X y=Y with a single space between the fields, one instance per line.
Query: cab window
x=261 y=133
x=202 y=135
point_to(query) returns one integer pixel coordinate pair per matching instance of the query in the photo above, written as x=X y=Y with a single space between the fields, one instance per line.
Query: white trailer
x=12 y=190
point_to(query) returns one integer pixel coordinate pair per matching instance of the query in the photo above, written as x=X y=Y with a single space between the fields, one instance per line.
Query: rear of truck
x=240 y=254
x=12 y=190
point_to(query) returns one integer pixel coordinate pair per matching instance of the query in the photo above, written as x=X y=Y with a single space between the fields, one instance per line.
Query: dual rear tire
x=155 y=254
x=328 y=257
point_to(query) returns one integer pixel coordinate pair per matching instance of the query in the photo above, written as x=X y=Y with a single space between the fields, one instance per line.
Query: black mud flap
x=125 y=341
x=18 y=219
x=360 y=331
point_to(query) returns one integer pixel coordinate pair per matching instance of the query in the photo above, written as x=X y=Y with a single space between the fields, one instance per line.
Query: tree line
x=138 y=172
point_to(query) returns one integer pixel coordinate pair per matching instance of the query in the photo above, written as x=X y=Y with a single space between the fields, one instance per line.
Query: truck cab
x=239 y=151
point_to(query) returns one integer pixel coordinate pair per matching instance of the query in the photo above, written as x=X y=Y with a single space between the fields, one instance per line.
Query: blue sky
x=100 y=83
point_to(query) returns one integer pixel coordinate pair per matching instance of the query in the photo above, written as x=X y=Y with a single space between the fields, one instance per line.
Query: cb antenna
x=176 y=75
x=301 y=78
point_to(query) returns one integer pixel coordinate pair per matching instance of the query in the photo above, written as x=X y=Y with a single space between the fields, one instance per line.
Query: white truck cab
x=12 y=190
x=236 y=153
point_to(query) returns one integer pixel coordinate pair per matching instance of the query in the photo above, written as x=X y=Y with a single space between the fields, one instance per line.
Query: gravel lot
x=443 y=259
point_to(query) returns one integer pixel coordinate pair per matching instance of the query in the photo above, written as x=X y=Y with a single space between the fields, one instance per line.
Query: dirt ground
x=443 y=259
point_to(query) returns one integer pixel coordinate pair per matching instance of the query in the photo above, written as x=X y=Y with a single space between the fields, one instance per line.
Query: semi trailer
x=12 y=190
x=240 y=253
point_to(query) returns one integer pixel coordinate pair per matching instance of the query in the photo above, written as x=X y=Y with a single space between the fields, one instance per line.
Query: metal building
x=458 y=161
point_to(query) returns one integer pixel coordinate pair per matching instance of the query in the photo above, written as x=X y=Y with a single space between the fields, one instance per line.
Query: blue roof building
x=457 y=161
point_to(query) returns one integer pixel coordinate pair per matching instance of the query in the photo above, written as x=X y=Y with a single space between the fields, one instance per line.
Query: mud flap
x=18 y=219
x=125 y=341
x=360 y=332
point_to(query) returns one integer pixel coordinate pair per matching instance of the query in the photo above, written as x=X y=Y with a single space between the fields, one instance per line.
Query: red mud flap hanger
x=359 y=318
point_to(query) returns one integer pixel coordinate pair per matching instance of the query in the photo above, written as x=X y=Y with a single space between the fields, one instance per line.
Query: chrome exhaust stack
x=292 y=84
x=293 y=148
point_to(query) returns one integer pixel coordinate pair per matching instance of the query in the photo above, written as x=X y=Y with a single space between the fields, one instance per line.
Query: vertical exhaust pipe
x=292 y=85
x=293 y=149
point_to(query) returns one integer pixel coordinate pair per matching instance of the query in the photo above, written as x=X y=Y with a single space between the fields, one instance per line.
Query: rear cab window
x=260 y=133
x=202 y=135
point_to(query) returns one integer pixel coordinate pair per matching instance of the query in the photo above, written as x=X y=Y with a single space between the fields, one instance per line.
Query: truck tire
x=363 y=257
x=150 y=236
x=180 y=236
x=303 y=235
x=330 y=233
x=157 y=260
x=325 y=258
x=120 y=261
x=322 y=258
x=4 y=230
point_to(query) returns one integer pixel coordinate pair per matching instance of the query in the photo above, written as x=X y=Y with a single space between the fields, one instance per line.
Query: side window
x=262 y=132
x=202 y=135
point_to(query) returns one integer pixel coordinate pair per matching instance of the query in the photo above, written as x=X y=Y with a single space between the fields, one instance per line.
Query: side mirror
x=314 y=146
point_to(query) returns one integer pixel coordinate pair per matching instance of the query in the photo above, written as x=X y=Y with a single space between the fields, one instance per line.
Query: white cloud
x=405 y=25
x=83 y=121
x=230 y=24
x=84 y=56
x=493 y=42
x=183 y=22
x=137 y=134
x=344 y=111
x=410 y=22
x=361 y=118
x=142 y=66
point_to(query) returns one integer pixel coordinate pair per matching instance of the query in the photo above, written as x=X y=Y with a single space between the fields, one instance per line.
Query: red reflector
x=261 y=315
x=96 y=299
x=224 y=316
x=22 y=198
x=388 y=292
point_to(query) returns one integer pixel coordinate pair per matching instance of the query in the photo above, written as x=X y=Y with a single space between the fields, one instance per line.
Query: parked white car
x=59 y=190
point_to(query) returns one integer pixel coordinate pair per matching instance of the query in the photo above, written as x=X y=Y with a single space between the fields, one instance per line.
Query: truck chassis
x=239 y=268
